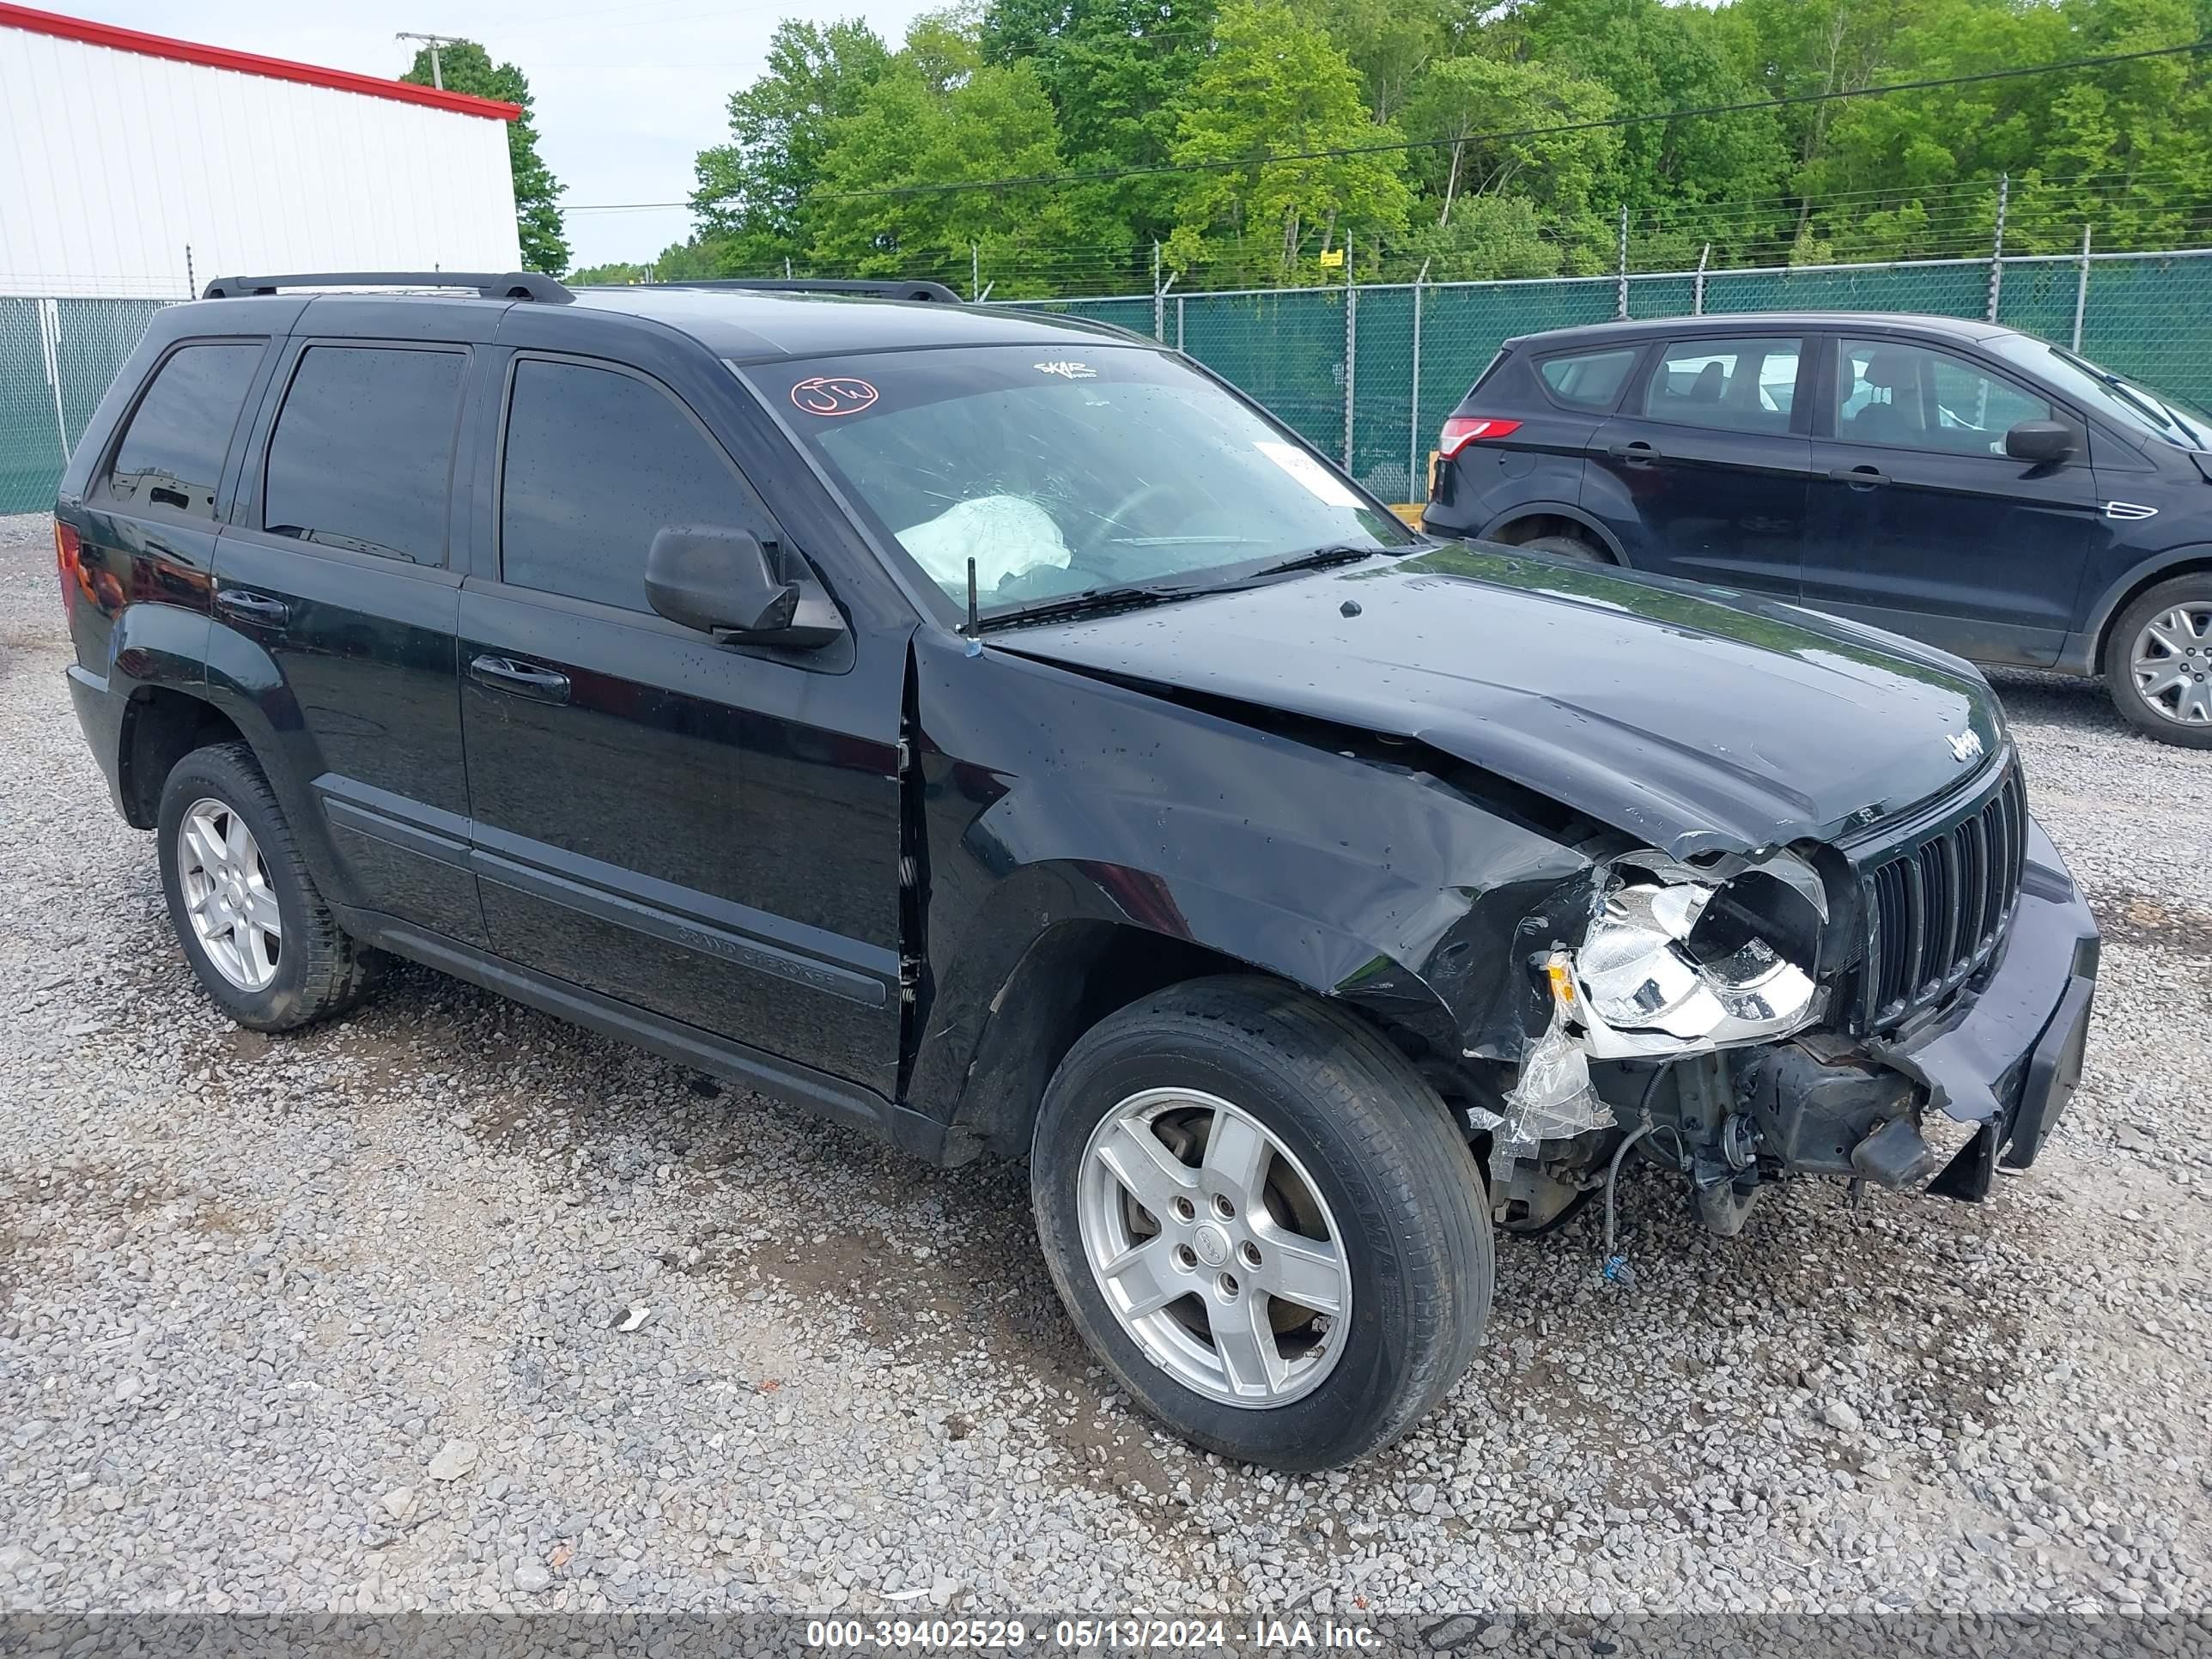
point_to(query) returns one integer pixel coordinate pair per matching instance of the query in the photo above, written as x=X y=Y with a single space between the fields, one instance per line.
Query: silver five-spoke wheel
x=2173 y=664
x=1214 y=1247
x=227 y=898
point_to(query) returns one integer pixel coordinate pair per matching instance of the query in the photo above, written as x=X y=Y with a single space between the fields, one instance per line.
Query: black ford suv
x=1968 y=485
x=991 y=730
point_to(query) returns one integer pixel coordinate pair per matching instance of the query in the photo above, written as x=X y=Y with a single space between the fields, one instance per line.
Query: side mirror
x=718 y=581
x=2044 y=443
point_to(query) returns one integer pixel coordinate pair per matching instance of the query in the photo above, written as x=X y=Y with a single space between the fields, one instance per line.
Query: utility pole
x=434 y=42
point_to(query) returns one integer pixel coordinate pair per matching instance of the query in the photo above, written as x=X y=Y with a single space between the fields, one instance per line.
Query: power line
x=1097 y=175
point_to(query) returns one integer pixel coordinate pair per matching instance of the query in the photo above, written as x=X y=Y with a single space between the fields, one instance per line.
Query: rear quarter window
x=171 y=457
x=1589 y=380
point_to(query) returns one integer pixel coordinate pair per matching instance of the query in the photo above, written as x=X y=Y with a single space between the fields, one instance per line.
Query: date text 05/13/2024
x=1091 y=1634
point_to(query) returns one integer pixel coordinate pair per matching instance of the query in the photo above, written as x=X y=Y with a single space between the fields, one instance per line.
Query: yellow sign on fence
x=1332 y=259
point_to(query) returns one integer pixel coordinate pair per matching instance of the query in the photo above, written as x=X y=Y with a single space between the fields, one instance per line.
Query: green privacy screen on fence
x=2146 y=315
x=1389 y=361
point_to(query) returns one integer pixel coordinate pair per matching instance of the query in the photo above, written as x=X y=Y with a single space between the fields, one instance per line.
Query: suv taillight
x=1461 y=430
x=67 y=549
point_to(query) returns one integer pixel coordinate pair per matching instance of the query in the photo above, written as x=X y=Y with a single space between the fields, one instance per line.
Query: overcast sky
x=627 y=94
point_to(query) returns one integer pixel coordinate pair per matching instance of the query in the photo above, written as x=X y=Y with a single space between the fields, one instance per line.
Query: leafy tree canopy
x=465 y=66
x=1473 y=139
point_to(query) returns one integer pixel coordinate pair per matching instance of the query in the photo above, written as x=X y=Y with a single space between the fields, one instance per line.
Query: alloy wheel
x=227 y=898
x=2173 y=664
x=1214 y=1247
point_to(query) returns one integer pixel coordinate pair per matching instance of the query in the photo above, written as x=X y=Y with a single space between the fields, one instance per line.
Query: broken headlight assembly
x=1680 y=958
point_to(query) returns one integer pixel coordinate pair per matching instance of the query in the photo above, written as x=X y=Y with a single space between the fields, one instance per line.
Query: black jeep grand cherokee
x=990 y=730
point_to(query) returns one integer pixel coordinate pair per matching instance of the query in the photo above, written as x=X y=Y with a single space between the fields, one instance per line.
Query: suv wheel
x=254 y=927
x=1263 y=1220
x=2158 y=662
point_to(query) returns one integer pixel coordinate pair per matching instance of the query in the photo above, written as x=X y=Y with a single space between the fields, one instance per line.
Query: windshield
x=1095 y=467
x=2113 y=396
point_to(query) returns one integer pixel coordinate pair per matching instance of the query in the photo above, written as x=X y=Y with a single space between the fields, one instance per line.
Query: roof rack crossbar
x=504 y=285
x=871 y=287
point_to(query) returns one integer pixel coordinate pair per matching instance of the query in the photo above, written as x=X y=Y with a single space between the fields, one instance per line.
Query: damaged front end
x=1898 y=1009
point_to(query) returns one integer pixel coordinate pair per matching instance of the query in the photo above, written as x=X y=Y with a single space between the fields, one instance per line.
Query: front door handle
x=1859 y=477
x=523 y=679
x=254 y=607
x=1636 y=452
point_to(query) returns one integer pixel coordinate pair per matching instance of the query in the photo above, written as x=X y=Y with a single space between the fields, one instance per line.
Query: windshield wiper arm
x=1320 y=558
x=1090 y=603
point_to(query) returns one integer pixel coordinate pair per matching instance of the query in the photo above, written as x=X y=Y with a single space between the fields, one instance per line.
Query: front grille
x=1937 y=909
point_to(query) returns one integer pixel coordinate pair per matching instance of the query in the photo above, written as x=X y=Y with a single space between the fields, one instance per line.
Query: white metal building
x=132 y=164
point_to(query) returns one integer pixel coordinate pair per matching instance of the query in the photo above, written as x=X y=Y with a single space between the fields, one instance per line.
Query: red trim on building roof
x=247 y=63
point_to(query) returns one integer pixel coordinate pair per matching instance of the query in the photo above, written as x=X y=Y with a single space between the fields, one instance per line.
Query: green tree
x=1115 y=71
x=1652 y=57
x=1276 y=128
x=939 y=115
x=465 y=66
x=616 y=274
x=1390 y=42
x=1463 y=101
x=752 y=192
x=1493 y=237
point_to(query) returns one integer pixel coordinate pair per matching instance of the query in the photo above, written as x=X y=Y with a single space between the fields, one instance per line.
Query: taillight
x=1461 y=430
x=68 y=551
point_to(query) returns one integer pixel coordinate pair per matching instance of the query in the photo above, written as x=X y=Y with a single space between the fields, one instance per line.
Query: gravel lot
x=328 y=1322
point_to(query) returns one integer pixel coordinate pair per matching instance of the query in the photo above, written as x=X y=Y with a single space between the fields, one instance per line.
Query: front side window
x=1889 y=392
x=1589 y=380
x=1064 y=469
x=597 y=464
x=1741 y=385
x=172 y=454
x=362 y=455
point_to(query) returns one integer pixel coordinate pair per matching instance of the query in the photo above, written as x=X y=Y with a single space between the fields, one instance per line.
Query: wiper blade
x=1090 y=603
x=1320 y=558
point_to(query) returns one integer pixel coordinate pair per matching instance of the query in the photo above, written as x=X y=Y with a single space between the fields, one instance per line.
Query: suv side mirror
x=2044 y=443
x=724 y=582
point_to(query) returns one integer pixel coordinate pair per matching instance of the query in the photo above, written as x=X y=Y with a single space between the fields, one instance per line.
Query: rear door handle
x=1860 y=477
x=255 y=607
x=523 y=679
x=1636 y=452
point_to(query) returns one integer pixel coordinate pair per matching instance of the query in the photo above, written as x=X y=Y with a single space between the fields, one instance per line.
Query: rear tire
x=2147 y=658
x=1569 y=547
x=253 y=924
x=1364 y=1192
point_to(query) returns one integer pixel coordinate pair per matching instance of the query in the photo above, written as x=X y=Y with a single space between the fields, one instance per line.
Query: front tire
x=254 y=927
x=2158 y=662
x=1263 y=1220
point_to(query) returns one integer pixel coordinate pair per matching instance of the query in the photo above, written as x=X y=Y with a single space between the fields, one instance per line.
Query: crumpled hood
x=1693 y=718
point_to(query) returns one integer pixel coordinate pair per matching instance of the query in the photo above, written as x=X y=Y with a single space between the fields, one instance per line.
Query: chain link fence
x=1369 y=374
x=57 y=356
x=1366 y=373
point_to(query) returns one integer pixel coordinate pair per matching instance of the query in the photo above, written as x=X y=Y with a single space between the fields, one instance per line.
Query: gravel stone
x=329 y=1257
x=454 y=1459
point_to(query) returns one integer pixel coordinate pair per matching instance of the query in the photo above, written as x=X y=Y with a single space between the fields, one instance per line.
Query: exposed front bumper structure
x=1937 y=1105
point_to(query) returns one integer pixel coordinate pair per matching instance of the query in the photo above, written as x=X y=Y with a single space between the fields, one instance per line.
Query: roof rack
x=884 y=288
x=508 y=285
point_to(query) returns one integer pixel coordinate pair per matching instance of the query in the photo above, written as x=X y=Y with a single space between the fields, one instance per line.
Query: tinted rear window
x=1590 y=380
x=171 y=457
x=363 y=452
